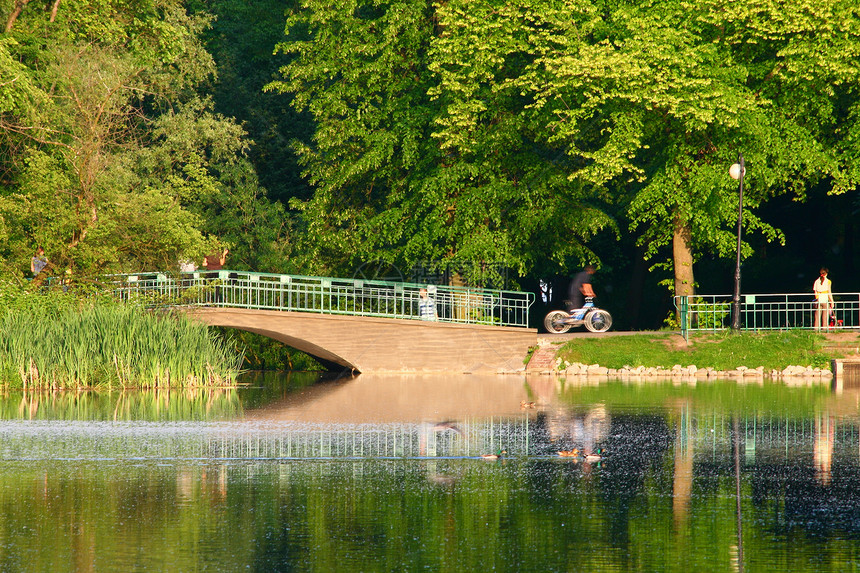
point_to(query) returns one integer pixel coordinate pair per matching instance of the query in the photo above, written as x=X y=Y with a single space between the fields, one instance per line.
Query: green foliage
x=401 y=173
x=672 y=321
x=56 y=340
x=17 y=88
x=706 y=316
x=264 y=353
x=202 y=155
x=511 y=134
x=240 y=40
x=359 y=74
x=109 y=158
x=679 y=88
x=506 y=133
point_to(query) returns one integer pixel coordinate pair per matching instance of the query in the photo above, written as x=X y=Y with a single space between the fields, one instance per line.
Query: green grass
x=727 y=351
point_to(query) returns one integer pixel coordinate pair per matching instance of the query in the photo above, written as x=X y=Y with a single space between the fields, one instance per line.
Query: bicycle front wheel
x=598 y=320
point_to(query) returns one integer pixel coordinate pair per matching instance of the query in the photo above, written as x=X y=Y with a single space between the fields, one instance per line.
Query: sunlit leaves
x=541 y=114
x=106 y=168
x=428 y=146
x=660 y=106
x=16 y=86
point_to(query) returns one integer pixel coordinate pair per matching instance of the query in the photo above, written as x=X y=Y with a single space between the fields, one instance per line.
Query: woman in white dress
x=823 y=299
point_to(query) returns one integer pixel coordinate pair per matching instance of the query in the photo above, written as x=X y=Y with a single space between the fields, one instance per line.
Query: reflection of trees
x=520 y=514
x=822 y=451
x=636 y=447
x=305 y=516
x=809 y=494
x=189 y=404
x=530 y=511
x=789 y=501
x=62 y=516
x=791 y=488
x=682 y=477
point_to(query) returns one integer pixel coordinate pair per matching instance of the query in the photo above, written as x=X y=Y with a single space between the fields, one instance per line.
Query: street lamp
x=737 y=171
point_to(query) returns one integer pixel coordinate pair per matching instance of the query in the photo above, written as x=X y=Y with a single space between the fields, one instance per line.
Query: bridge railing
x=324 y=295
x=765 y=312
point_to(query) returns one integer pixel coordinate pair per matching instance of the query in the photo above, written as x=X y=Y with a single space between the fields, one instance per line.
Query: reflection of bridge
x=403 y=399
x=361 y=325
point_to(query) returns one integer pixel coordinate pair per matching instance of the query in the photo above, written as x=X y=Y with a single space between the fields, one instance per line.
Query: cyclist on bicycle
x=580 y=288
x=580 y=309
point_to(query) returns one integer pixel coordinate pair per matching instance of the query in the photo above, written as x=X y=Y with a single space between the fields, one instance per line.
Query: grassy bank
x=722 y=351
x=54 y=340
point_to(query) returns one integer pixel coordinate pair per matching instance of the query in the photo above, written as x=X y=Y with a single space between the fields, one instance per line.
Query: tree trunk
x=16 y=11
x=682 y=257
x=54 y=9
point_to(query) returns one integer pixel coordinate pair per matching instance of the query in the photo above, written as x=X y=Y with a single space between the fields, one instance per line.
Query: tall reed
x=98 y=343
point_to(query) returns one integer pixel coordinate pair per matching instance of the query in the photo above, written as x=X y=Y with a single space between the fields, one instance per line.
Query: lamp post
x=737 y=171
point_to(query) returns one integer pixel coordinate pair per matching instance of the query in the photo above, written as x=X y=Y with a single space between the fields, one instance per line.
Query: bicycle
x=594 y=319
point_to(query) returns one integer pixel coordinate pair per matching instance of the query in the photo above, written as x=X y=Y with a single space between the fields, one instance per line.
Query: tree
x=397 y=174
x=89 y=171
x=241 y=40
x=200 y=158
x=357 y=68
x=528 y=122
x=488 y=61
x=660 y=100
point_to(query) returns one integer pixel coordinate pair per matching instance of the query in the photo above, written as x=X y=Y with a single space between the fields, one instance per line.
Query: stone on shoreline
x=689 y=373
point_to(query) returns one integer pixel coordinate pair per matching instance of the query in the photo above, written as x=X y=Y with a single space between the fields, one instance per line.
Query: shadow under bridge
x=360 y=325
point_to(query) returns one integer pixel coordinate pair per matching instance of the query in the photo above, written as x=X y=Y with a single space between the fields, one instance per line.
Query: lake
x=387 y=473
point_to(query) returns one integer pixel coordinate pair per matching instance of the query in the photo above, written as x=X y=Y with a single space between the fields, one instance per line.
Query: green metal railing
x=711 y=313
x=325 y=295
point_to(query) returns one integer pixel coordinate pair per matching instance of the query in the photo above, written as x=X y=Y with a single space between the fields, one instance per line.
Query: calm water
x=385 y=473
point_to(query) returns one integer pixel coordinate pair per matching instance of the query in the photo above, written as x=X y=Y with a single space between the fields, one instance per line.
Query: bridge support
x=368 y=344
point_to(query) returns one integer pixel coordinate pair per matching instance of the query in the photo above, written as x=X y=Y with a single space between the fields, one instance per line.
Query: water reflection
x=438 y=416
x=395 y=398
x=121 y=405
x=822 y=450
x=295 y=473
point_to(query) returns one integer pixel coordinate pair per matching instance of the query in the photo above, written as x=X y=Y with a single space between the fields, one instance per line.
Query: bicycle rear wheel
x=554 y=322
x=598 y=320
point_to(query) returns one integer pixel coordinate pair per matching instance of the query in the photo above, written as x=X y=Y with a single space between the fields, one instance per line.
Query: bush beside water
x=56 y=340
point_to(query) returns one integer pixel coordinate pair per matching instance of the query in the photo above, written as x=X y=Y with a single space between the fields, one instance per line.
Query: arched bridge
x=361 y=325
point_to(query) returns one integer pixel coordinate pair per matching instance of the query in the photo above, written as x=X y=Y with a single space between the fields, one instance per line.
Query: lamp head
x=736 y=172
